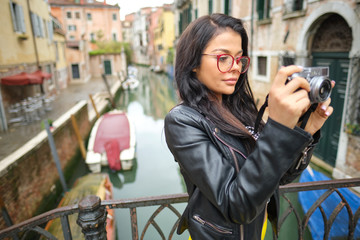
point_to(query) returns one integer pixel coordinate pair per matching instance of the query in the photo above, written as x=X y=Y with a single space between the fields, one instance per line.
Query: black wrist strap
x=260 y=115
x=303 y=119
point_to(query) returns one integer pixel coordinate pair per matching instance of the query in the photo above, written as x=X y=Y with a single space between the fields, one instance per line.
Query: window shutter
x=41 y=26
x=50 y=31
x=13 y=18
x=34 y=23
x=22 y=20
x=18 y=17
x=260 y=9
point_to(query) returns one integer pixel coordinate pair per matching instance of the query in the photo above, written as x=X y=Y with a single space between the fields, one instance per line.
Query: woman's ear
x=194 y=70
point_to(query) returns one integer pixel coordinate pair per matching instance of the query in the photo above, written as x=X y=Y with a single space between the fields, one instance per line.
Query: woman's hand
x=320 y=115
x=287 y=102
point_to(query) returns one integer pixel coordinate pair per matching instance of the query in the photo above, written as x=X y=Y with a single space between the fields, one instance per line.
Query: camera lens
x=320 y=89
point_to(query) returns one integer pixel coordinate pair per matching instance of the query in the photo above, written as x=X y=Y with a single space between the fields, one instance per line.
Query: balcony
x=92 y=213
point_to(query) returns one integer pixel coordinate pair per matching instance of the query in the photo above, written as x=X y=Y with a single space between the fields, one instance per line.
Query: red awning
x=22 y=79
x=43 y=75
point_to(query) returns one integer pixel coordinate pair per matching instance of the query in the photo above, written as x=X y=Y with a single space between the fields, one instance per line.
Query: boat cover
x=113 y=127
x=340 y=227
x=113 y=154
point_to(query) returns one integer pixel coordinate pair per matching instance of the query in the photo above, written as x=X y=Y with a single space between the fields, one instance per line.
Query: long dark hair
x=238 y=109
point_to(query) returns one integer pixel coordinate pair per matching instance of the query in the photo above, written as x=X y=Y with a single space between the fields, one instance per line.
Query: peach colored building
x=87 y=22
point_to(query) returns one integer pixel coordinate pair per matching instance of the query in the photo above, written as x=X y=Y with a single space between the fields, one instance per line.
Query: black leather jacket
x=229 y=190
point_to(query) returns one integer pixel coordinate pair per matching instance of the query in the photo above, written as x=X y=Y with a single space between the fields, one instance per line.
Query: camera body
x=320 y=83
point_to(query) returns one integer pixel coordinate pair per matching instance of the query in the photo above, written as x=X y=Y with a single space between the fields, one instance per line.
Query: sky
x=130 y=6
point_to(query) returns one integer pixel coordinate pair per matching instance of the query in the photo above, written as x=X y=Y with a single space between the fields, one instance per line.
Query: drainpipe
x=2 y=115
x=33 y=35
x=251 y=28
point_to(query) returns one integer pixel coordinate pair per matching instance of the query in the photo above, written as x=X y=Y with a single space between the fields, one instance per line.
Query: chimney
x=104 y=2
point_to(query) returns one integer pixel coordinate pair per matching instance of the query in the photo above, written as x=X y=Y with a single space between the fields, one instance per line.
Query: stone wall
x=352 y=156
x=30 y=173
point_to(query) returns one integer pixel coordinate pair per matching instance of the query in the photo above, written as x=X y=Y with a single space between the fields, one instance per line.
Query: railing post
x=92 y=218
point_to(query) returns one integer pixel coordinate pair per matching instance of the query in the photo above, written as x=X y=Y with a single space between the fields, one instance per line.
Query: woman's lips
x=231 y=81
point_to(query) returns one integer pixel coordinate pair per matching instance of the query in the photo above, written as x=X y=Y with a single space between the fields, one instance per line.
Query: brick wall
x=33 y=176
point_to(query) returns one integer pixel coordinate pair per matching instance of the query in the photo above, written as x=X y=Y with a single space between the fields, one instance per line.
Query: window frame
x=255 y=58
x=17 y=16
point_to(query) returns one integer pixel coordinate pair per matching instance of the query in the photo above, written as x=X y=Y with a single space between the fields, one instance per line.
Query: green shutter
x=260 y=9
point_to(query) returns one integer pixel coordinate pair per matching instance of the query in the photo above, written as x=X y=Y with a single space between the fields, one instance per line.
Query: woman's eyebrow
x=226 y=51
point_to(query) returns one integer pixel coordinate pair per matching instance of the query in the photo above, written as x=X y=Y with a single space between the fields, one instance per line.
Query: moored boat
x=340 y=226
x=112 y=142
x=97 y=184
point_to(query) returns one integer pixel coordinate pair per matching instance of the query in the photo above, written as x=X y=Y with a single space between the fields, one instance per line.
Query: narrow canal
x=155 y=172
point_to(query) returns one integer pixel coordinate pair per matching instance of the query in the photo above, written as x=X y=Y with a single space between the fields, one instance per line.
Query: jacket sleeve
x=302 y=162
x=240 y=197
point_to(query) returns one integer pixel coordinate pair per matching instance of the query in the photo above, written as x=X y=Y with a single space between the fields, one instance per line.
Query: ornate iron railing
x=92 y=213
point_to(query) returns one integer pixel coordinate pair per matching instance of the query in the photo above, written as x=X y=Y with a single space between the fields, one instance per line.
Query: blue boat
x=340 y=227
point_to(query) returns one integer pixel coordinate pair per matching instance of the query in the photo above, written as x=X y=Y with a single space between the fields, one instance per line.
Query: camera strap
x=303 y=119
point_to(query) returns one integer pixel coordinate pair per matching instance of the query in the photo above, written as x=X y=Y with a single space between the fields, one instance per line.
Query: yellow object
x=263 y=232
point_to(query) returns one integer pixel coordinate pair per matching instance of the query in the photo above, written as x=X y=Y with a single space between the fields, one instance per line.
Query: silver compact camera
x=320 y=83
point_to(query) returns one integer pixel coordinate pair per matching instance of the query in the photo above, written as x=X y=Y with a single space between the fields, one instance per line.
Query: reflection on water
x=155 y=171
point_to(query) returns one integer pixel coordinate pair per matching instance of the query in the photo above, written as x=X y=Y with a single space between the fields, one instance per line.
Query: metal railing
x=92 y=213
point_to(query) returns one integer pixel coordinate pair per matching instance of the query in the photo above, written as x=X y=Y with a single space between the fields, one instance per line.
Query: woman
x=232 y=174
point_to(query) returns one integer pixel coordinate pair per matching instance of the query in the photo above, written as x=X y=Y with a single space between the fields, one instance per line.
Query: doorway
x=330 y=48
x=107 y=67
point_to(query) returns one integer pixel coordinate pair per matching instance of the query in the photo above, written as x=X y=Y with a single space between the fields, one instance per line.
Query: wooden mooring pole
x=78 y=136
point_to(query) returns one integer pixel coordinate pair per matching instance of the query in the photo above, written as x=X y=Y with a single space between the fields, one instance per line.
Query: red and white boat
x=112 y=142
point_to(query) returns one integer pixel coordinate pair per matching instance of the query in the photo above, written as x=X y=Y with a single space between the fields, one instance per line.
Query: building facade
x=164 y=38
x=141 y=36
x=26 y=46
x=87 y=22
x=308 y=33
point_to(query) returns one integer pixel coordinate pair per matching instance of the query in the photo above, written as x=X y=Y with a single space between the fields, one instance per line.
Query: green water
x=155 y=171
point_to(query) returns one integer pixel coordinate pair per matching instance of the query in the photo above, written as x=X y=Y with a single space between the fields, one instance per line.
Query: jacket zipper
x=232 y=151
x=216 y=228
x=302 y=160
x=237 y=170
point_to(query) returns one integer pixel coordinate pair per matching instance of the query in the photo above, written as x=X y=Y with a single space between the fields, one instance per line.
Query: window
x=75 y=71
x=56 y=51
x=68 y=15
x=293 y=5
x=50 y=31
x=261 y=66
x=72 y=28
x=263 y=9
x=48 y=70
x=17 y=15
x=92 y=37
x=38 y=25
x=210 y=6
x=227 y=7
x=89 y=17
x=114 y=37
x=77 y=15
x=114 y=16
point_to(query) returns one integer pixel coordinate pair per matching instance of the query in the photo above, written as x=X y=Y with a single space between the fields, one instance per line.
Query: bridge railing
x=92 y=213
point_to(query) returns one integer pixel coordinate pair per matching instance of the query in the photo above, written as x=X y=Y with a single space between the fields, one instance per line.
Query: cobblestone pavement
x=17 y=135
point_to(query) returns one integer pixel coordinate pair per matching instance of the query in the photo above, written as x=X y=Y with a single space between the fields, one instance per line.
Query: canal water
x=155 y=171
